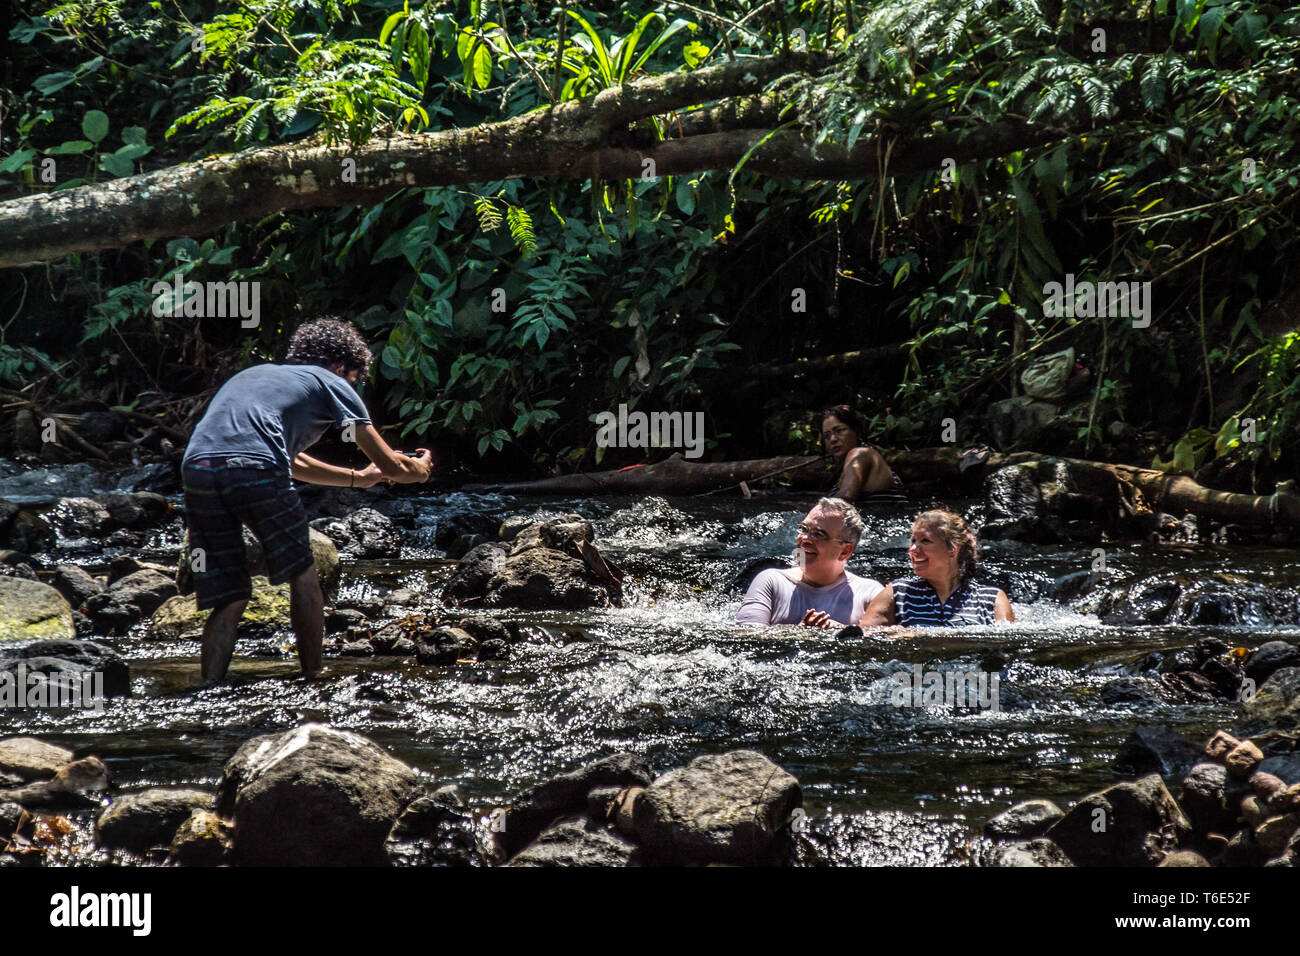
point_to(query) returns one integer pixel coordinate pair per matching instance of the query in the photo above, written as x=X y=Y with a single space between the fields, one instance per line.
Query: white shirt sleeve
x=756 y=607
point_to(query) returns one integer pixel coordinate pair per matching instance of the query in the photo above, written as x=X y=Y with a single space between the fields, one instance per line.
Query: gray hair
x=847 y=513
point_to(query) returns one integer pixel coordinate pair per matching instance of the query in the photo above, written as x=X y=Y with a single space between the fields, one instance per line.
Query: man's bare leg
x=219 y=640
x=307 y=612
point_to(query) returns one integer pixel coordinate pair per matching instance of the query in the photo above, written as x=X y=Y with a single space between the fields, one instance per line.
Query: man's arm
x=403 y=469
x=756 y=606
x=316 y=472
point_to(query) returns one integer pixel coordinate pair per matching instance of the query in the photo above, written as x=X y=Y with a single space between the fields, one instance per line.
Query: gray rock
x=363 y=534
x=531 y=811
x=30 y=609
x=75 y=584
x=1023 y=821
x=357 y=649
x=82 y=518
x=130 y=599
x=468 y=582
x=1286 y=767
x=313 y=796
x=1276 y=704
x=541 y=578
x=1157 y=750
x=30 y=759
x=138 y=821
x=1270 y=657
x=1135 y=691
x=76 y=658
x=1205 y=799
x=1129 y=824
x=10 y=815
x=1037 y=852
x=719 y=808
x=578 y=841
x=446 y=645
x=140 y=509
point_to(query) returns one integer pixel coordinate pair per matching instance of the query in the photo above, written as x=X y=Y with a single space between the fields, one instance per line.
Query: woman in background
x=862 y=468
x=944 y=592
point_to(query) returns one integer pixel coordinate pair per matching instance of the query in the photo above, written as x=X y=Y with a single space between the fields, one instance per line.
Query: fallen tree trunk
x=1119 y=486
x=670 y=477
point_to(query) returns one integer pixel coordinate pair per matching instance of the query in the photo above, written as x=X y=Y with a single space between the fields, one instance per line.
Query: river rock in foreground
x=1129 y=824
x=31 y=609
x=138 y=821
x=313 y=796
x=720 y=808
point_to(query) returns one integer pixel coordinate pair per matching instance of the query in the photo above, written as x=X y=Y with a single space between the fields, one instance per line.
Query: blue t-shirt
x=271 y=413
x=919 y=605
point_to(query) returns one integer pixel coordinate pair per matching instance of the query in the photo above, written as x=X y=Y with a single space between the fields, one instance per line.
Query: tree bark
x=580 y=139
x=670 y=477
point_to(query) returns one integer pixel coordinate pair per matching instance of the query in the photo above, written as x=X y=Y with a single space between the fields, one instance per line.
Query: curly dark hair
x=956 y=535
x=327 y=341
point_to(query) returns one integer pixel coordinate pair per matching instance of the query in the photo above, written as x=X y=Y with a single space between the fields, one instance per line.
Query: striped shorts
x=220 y=496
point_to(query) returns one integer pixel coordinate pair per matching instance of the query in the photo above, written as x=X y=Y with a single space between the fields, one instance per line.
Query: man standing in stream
x=237 y=470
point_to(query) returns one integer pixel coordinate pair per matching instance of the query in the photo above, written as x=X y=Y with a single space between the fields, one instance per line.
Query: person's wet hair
x=328 y=341
x=954 y=533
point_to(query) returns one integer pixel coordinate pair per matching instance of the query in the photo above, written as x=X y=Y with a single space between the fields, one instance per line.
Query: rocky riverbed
x=559 y=683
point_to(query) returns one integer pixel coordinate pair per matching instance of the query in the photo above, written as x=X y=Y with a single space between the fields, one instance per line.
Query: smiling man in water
x=819 y=592
x=237 y=470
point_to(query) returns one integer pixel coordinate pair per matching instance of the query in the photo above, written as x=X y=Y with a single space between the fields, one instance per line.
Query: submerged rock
x=30 y=609
x=541 y=579
x=720 y=808
x=86 y=666
x=313 y=796
x=138 y=821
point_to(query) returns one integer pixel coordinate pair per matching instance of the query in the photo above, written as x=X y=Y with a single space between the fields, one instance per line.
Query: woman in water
x=863 y=470
x=943 y=593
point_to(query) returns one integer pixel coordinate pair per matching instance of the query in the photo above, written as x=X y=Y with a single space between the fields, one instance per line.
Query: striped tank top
x=919 y=606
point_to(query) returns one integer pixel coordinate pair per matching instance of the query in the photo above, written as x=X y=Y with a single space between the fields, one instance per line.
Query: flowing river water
x=671 y=676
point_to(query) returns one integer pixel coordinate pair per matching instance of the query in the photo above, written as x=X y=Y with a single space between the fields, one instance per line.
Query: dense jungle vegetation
x=1157 y=143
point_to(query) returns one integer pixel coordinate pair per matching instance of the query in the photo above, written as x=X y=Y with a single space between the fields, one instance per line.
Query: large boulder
x=267 y=612
x=1276 y=704
x=313 y=796
x=27 y=759
x=363 y=534
x=130 y=599
x=1041 y=501
x=323 y=552
x=1269 y=658
x=1129 y=824
x=138 y=821
x=30 y=609
x=719 y=808
x=534 y=809
x=578 y=841
x=543 y=578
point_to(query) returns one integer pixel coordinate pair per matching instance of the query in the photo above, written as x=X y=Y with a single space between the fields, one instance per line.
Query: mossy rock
x=323 y=551
x=32 y=610
x=267 y=612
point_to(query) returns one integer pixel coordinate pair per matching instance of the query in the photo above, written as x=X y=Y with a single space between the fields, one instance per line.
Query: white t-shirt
x=774 y=598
